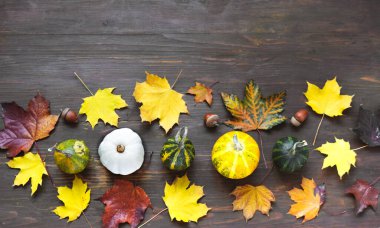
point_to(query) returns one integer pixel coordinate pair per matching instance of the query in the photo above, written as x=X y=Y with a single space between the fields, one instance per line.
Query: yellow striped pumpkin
x=235 y=155
x=178 y=152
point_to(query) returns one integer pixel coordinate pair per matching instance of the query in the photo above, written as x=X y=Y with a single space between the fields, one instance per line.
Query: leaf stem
x=152 y=218
x=375 y=181
x=262 y=148
x=179 y=74
x=316 y=133
x=269 y=171
x=47 y=170
x=360 y=147
x=88 y=221
x=84 y=84
x=214 y=83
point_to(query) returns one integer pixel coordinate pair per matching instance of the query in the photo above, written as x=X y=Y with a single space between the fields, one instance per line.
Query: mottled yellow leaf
x=201 y=92
x=102 y=106
x=307 y=201
x=159 y=101
x=75 y=200
x=338 y=154
x=327 y=100
x=31 y=168
x=251 y=198
x=181 y=198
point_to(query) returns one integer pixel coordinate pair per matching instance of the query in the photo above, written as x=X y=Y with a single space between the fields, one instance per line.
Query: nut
x=211 y=120
x=69 y=116
x=299 y=117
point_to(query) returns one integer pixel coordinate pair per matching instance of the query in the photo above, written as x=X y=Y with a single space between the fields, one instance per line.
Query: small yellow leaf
x=102 y=106
x=308 y=201
x=75 y=200
x=338 y=154
x=31 y=168
x=201 y=92
x=328 y=99
x=182 y=200
x=250 y=198
x=159 y=101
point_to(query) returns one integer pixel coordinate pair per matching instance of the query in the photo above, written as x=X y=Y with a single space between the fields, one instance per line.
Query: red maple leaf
x=365 y=195
x=124 y=203
x=24 y=127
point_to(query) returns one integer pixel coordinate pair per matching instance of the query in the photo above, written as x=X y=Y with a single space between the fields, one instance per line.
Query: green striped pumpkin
x=290 y=154
x=178 y=152
x=71 y=156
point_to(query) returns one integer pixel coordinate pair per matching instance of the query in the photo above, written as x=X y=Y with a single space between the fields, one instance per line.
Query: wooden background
x=279 y=44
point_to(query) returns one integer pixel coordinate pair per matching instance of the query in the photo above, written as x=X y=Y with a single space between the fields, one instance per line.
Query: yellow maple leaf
x=327 y=100
x=159 y=101
x=75 y=200
x=338 y=154
x=308 y=201
x=182 y=200
x=201 y=92
x=102 y=106
x=31 y=168
x=251 y=198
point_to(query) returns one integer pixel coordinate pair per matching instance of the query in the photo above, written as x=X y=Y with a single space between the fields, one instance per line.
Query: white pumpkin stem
x=237 y=144
x=181 y=137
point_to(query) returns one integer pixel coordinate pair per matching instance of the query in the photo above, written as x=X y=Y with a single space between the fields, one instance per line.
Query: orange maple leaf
x=308 y=201
x=201 y=92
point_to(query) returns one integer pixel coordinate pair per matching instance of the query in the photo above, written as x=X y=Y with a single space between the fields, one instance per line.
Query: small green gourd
x=178 y=152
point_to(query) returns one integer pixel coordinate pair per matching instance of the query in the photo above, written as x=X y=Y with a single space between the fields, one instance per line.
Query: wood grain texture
x=279 y=44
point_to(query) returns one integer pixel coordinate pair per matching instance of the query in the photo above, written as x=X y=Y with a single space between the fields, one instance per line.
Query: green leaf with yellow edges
x=255 y=112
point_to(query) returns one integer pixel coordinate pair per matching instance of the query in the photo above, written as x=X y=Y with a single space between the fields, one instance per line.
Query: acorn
x=69 y=116
x=299 y=117
x=211 y=120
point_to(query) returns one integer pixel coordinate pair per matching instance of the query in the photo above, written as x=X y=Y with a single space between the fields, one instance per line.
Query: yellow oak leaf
x=251 y=198
x=307 y=201
x=327 y=100
x=182 y=200
x=102 y=106
x=159 y=101
x=201 y=92
x=31 y=168
x=338 y=154
x=75 y=200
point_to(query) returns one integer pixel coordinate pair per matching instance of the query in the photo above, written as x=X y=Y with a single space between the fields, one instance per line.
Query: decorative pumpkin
x=178 y=152
x=71 y=156
x=235 y=155
x=121 y=151
x=290 y=154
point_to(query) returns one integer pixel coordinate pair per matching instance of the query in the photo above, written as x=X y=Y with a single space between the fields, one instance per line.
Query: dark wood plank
x=279 y=44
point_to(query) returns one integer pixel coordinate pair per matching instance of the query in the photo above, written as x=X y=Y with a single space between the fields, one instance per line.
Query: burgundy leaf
x=365 y=195
x=23 y=128
x=124 y=203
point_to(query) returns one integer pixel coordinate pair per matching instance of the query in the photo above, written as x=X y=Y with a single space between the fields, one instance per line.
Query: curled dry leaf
x=124 y=203
x=365 y=195
x=338 y=154
x=159 y=101
x=201 y=92
x=308 y=200
x=251 y=198
x=102 y=106
x=75 y=200
x=24 y=127
x=368 y=127
x=31 y=168
x=181 y=198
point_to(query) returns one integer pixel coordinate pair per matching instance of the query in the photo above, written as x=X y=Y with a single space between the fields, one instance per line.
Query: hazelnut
x=211 y=120
x=299 y=117
x=69 y=116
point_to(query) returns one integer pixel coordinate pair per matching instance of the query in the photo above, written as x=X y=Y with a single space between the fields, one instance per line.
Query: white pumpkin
x=121 y=151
